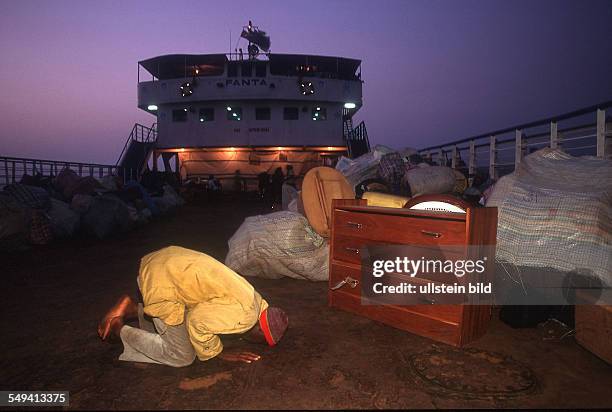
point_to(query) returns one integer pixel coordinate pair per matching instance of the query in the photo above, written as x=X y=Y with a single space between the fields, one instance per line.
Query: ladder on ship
x=140 y=143
x=356 y=138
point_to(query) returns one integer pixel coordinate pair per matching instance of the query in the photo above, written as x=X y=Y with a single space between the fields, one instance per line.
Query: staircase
x=357 y=141
x=133 y=159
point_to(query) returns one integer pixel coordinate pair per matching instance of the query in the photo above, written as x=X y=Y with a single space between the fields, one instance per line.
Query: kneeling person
x=192 y=299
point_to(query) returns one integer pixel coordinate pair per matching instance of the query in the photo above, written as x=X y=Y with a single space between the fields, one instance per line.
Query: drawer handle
x=352 y=249
x=354 y=224
x=347 y=281
x=432 y=234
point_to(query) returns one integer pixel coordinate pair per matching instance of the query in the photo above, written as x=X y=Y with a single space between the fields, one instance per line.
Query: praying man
x=191 y=299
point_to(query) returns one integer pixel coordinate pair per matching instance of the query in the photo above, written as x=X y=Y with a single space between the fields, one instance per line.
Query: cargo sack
x=64 y=221
x=109 y=183
x=29 y=196
x=430 y=180
x=14 y=224
x=106 y=215
x=168 y=201
x=289 y=195
x=81 y=203
x=142 y=193
x=65 y=181
x=391 y=169
x=278 y=244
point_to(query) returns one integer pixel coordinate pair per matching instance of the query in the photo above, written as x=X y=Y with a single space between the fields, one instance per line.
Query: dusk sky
x=434 y=71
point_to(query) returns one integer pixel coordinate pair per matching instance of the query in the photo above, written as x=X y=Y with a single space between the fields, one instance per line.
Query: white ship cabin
x=221 y=113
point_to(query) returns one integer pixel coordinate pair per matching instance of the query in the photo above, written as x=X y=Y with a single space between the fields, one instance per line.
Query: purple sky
x=434 y=71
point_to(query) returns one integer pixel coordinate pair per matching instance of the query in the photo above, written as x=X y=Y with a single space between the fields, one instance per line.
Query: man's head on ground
x=271 y=327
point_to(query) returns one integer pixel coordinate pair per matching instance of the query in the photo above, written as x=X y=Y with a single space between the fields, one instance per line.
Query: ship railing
x=582 y=132
x=13 y=169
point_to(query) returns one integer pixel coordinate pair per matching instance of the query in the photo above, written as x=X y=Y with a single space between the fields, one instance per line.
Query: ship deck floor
x=54 y=296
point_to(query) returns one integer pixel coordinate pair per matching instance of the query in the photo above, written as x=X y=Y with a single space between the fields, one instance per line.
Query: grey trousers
x=156 y=342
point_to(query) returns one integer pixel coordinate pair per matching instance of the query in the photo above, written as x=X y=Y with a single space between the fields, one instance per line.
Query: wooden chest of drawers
x=355 y=225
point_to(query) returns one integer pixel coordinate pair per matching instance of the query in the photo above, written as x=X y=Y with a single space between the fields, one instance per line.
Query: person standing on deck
x=192 y=299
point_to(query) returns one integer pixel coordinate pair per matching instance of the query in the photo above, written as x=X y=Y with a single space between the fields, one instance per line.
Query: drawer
x=399 y=229
x=402 y=317
x=347 y=249
x=352 y=276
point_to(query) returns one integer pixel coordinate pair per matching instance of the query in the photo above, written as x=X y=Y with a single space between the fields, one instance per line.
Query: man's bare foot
x=124 y=306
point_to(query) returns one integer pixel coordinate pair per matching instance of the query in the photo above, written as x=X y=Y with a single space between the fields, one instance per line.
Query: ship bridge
x=300 y=107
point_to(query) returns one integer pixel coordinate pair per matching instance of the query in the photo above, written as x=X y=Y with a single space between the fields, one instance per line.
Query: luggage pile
x=403 y=173
x=39 y=209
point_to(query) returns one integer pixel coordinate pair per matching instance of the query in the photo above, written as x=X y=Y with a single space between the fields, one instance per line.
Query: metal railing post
x=601 y=133
x=554 y=135
x=472 y=158
x=518 y=152
x=440 y=155
x=492 y=158
x=454 y=159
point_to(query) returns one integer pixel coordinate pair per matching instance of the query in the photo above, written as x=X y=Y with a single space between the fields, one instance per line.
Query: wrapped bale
x=430 y=180
x=64 y=221
x=106 y=215
x=278 y=244
x=40 y=228
x=554 y=212
x=29 y=196
x=14 y=224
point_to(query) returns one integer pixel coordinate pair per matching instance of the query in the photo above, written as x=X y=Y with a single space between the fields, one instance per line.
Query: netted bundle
x=278 y=244
x=554 y=211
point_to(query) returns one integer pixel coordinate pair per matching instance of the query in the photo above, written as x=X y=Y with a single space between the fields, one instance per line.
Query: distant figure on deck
x=239 y=183
x=213 y=187
x=192 y=299
x=278 y=179
x=263 y=184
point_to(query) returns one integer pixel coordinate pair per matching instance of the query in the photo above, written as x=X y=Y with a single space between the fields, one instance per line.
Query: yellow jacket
x=179 y=284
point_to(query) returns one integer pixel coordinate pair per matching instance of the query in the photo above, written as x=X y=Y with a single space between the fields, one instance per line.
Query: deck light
x=349 y=105
x=318 y=108
x=185 y=109
x=201 y=120
x=234 y=114
x=152 y=107
x=229 y=109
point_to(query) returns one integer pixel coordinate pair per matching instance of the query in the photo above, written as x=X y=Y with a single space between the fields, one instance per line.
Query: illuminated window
x=290 y=113
x=262 y=113
x=234 y=113
x=319 y=113
x=207 y=114
x=179 y=115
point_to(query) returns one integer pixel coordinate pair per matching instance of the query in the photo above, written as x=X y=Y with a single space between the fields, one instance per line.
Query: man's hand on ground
x=237 y=355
